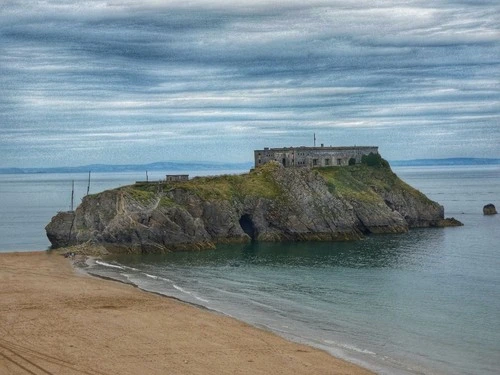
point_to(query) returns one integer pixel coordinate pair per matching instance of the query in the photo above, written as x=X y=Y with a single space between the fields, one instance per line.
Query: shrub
x=374 y=160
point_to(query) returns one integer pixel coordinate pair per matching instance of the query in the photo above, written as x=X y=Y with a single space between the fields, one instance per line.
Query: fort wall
x=313 y=156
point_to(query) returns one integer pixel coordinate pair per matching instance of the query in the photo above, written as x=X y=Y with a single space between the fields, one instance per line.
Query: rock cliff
x=271 y=203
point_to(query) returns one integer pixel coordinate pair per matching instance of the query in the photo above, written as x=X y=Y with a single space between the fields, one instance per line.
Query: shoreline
x=60 y=321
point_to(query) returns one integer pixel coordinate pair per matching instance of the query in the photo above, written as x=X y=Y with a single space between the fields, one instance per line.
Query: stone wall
x=313 y=156
x=176 y=177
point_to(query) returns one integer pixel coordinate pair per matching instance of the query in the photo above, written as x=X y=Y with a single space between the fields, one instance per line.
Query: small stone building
x=177 y=177
x=313 y=156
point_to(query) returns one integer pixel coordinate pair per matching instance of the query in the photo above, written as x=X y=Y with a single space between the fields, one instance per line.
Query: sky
x=122 y=81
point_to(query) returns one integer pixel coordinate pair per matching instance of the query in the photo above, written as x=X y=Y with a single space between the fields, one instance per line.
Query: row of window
x=327 y=162
x=315 y=162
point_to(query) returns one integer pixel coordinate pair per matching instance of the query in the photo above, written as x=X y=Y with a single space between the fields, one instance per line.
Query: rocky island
x=270 y=203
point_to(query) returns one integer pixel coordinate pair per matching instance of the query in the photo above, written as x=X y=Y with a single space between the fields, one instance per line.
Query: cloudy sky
x=122 y=81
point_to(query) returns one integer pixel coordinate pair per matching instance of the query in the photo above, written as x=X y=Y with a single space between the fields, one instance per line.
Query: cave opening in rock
x=248 y=227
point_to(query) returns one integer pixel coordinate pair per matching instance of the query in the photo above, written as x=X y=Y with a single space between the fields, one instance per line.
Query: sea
x=424 y=302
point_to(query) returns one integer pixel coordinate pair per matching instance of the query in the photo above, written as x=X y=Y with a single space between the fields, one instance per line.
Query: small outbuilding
x=177 y=177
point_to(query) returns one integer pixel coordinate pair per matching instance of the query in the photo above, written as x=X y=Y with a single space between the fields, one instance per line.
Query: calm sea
x=29 y=201
x=423 y=302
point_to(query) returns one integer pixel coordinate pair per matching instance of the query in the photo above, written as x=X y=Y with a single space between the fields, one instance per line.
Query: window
x=339 y=161
x=327 y=161
x=315 y=161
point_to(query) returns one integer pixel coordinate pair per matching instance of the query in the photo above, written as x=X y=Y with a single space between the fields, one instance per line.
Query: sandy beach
x=55 y=320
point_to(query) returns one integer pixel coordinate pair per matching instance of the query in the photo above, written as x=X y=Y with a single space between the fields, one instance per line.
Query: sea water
x=29 y=201
x=423 y=302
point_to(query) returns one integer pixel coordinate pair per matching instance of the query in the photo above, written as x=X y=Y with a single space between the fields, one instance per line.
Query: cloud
x=134 y=77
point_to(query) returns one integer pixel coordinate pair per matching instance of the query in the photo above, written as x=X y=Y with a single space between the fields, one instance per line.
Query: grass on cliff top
x=352 y=182
x=139 y=194
x=360 y=181
x=146 y=193
x=258 y=183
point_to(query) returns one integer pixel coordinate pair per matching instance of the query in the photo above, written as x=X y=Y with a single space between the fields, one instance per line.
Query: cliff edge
x=270 y=203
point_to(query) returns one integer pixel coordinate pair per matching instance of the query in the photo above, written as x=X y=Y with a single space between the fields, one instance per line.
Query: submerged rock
x=449 y=222
x=489 y=209
x=271 y=203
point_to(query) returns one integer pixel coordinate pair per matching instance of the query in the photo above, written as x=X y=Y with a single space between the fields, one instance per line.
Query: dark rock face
x=270 y=203
x=489 y=209
x=63 y=221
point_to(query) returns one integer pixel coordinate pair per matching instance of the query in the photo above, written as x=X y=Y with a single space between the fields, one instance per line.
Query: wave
x=101 y=263
x=120 y=267
x=133 y=278
x=131 y=268
x=157 y=277
x=190 y=293
x=351 y=348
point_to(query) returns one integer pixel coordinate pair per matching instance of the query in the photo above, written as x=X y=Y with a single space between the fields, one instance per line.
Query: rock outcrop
x=271 y=203
x=489 y=209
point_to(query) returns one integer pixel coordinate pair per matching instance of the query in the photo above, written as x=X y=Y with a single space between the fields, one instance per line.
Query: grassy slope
x=358 y=182
x=258 y=183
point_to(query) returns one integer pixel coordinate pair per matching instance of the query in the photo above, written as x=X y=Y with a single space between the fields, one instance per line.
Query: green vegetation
x=374 y=160
x=147 y=193
x=166 y=202
x=152 y=187
x=361 y=182
x=138 y=194
x=209 y=188
x=261 y=183
x=350 y=182
x=257 y=183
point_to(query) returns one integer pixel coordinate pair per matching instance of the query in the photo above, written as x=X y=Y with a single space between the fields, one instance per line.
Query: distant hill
x=172 y=166
x=168 y=166
x=448 y=161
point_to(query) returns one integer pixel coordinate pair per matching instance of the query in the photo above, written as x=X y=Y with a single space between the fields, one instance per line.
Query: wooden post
x=72 y=193
x=88 y=185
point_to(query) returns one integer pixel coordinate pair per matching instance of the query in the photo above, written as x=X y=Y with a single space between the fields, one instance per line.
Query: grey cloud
x=144 y=76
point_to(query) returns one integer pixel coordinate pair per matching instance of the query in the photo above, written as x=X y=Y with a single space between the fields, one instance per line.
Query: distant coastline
x=447 y=161
x=211 y=166
x=158 y=166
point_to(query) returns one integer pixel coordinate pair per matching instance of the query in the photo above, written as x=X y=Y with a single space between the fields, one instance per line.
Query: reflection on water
x=394 y=251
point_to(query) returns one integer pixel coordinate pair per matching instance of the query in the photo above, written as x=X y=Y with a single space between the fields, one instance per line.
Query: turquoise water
x=423 y=302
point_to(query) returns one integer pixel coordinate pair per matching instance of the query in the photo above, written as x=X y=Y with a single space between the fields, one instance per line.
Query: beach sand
x=54 y=320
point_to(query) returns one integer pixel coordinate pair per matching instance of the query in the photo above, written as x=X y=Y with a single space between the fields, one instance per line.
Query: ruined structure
x=313 y=156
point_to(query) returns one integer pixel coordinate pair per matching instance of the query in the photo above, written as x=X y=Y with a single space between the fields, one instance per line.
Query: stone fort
x=313 y=156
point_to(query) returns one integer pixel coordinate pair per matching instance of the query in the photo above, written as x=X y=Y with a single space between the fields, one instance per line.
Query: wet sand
x=54 y=320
